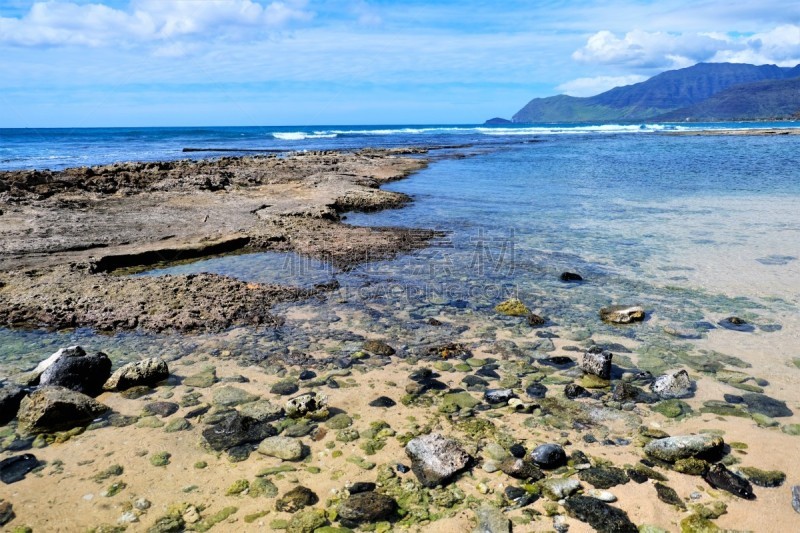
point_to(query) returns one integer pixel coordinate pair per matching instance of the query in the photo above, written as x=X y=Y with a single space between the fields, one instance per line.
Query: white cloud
x=659 y=50
x=597 y=85
x=148 y=22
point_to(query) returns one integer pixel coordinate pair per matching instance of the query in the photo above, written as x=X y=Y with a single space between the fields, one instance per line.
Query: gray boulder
x=285 y=448
x=145 y=372
x=671 y=449
x=436 y=459
x=491 y=520
x=676 y=385
x=52 y=409
x=234 y=429
x=598 y=362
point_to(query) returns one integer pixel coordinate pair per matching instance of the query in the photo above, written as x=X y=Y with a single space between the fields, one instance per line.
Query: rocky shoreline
x=65 y=233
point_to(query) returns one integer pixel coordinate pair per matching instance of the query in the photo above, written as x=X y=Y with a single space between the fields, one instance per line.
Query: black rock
x=331 y=383
x=761 y=403
x=601 y=516
x=536 y=390
x=549 y=456
x=15 y=468
x=735 y=323
x=721 y=478
x=535 y=320
x=361 y=486
x=519 y=496
x=306 y=375
x=570 y=276
x=520 y=469
x=163 y=409
x=422 y=375
x=6 y=509
x=234 y=429
x=367 y=507
x=625 y=392
x=472 y=381
x=733 y=398
x=604 y=477
x=558 y=361
x=495 y=396
x=488 y=372
x=284 y=388
x=10 y=397
x=382 y=401
x=344 y=362
x=668 y=495
x=77 y=371
x=636 y=475
x=578 y=458
x=403 y=469
x=517 y=450
x=572 y=391
x=378 y=348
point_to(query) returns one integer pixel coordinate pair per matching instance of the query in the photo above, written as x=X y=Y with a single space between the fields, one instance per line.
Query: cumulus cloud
x=597 y=85
x=156 y=22
x=660 y=50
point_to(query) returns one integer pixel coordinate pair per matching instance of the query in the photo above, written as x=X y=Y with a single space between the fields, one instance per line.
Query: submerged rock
x=15 y=468
x=601 y=516
x=573 y=390
x=10 y=397
x=436 y=459
x=570 y=276
x=721 y=478
x=146 y=372
x=296 y=499
x=512 y=307
x=549 y=456
x=535 y=320
x=378 y=348
x=676 y=385
x=763 y=404
x=735 y=323
x=536 y=390
x=671 y=449
x=75 y=370
x=367 y=507
x=52 y=409
x=622 y=314
x=626 y=392
x=597 y=361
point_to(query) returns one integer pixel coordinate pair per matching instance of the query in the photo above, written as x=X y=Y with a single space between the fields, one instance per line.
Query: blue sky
x=72 y=63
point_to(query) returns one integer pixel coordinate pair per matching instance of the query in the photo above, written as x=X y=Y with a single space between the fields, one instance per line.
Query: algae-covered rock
x=622 y=314
x=691 y=466
x=285 y=448
x=697 y=524
x=668 y=495
x=307 y=521
x=512 y=307
x=146 y=372
x=232 y=396
x=367 y=507
x=604 y=477
x=378 y=348
x=559 y=488
x=763 y=404
x=491 y=520
x=51 y=409
x=203 y=379
x=296 y=499
x=763 y=478
x=672 y=408
x=601 y=516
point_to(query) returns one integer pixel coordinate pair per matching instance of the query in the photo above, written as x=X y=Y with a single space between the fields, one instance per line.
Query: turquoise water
x=694 y=228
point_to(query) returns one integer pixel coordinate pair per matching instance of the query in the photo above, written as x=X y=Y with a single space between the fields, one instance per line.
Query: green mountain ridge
x=672 y=91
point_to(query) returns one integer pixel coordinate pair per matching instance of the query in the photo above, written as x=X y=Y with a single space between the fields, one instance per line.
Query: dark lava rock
x=570 y=276
x=517 y=450
x=296 y=499
x=520 y=469
x=487 y=371
x=51 y=409
x=549 y=456
x=535 y=320
x=367 y=507
x=763 y=404
x=382 y=401
x=536 y=390
x=10 y=397
x=598 y=362
x=557 y=361
x=77 y=371
x=422 y=375
x=495 y=396
x=733 y=398
x=15 y=468
x=668 y=495
x=601 y=516
x=378 y=348
x=721 y=478
x=234 y=429
x=146 y=372
x=636 y=475
x=306 y=375
x=519 y=496
x=604 y=477
x=403 y=469
x=284 y=388
x=735 y=323
x=474 y=381
x=163 y=409
x=6 y=513
x=572 y=391
x=625 y=392
x=436 y=459
x=361 y=486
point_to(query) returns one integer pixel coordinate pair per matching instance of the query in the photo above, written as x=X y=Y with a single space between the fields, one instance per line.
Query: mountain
x=751 y=101
x=662 y=94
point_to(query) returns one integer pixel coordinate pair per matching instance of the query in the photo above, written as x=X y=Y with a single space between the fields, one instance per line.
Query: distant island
x=705 y=92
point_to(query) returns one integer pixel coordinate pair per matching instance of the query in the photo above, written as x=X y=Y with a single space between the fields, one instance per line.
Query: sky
x=83 y=63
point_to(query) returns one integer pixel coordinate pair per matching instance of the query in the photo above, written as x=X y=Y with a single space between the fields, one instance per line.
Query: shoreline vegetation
x=533 y=426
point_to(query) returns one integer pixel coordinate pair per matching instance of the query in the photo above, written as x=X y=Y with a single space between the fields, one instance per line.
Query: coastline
x=737 y=132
